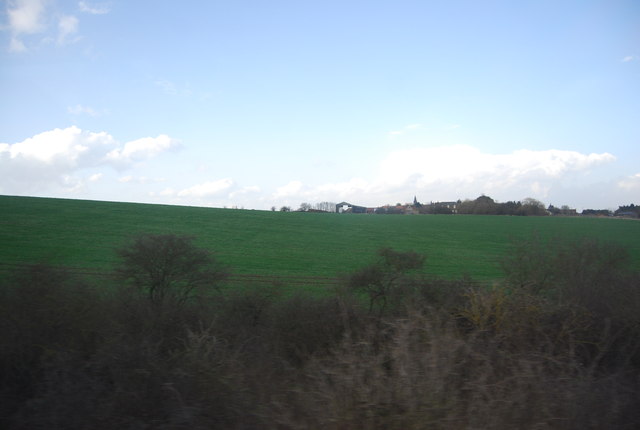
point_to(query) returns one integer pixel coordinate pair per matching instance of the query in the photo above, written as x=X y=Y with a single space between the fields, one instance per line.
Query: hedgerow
x=556 y=347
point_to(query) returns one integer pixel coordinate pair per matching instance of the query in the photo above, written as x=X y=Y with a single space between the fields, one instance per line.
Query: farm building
x=345 y=207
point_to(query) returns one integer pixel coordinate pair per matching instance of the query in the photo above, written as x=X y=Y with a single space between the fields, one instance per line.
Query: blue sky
x=267 y=103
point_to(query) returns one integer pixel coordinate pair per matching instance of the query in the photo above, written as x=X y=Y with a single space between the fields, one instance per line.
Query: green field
x=84 y=234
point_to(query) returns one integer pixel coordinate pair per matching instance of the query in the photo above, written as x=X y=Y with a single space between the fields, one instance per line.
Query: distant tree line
x=483 y=205
x=317 y=207
x=629 y=210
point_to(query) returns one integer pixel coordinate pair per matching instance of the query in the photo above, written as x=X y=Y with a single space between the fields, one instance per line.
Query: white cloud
x=25 y=17
x=630 y=183
x=80 y=110
x=466 y=164
x=72 y=184
x=291 y=189
x=222 y=192
x=207 y=189
x=41 y=20
x=167 y=192
x=629 y=58
x=341 y=191
x=142 y=149
x=67 y=27
x=453 y=172
x=54 y=156
x=244 y=191
x=94 y=9
x=16 y=45
x=69 y=147
x=459 y=171
x=73 y=159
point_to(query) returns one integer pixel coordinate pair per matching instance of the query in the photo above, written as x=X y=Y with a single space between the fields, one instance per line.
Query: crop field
x=83 y=234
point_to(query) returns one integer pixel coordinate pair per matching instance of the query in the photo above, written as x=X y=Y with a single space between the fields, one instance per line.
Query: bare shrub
x=426 y=375
x=168 y=267
x=382 y=279
x=243 y=316
x=591 y=279
x=304 y=326
x=528 y=265
x=569 y=269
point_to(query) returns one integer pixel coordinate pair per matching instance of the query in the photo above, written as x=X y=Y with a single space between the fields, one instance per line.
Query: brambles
x=485 y=309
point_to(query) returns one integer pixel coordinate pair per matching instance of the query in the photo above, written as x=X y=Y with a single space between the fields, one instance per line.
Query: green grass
x=84 y=234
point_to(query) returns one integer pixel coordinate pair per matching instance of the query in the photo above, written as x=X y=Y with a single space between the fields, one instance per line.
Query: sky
x=255 y=104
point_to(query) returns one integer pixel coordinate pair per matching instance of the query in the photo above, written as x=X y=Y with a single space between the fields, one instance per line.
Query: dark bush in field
x=168 y=267
x=554 y=346
x=386 y=278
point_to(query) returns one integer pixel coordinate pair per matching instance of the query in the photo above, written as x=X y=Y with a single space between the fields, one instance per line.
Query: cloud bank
x=464 y=164
x=430 y=173
x=453 y=172
x=55 y=156
x=62 y=161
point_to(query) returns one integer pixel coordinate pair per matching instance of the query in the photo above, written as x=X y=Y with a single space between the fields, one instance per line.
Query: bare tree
x=326 y=206
x=168 y=267
x=379 y=280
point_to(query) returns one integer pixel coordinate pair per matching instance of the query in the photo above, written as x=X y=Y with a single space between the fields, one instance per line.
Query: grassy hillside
x=84 y=233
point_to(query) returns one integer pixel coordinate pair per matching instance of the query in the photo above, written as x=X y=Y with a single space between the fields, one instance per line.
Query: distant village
x=483 y=205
